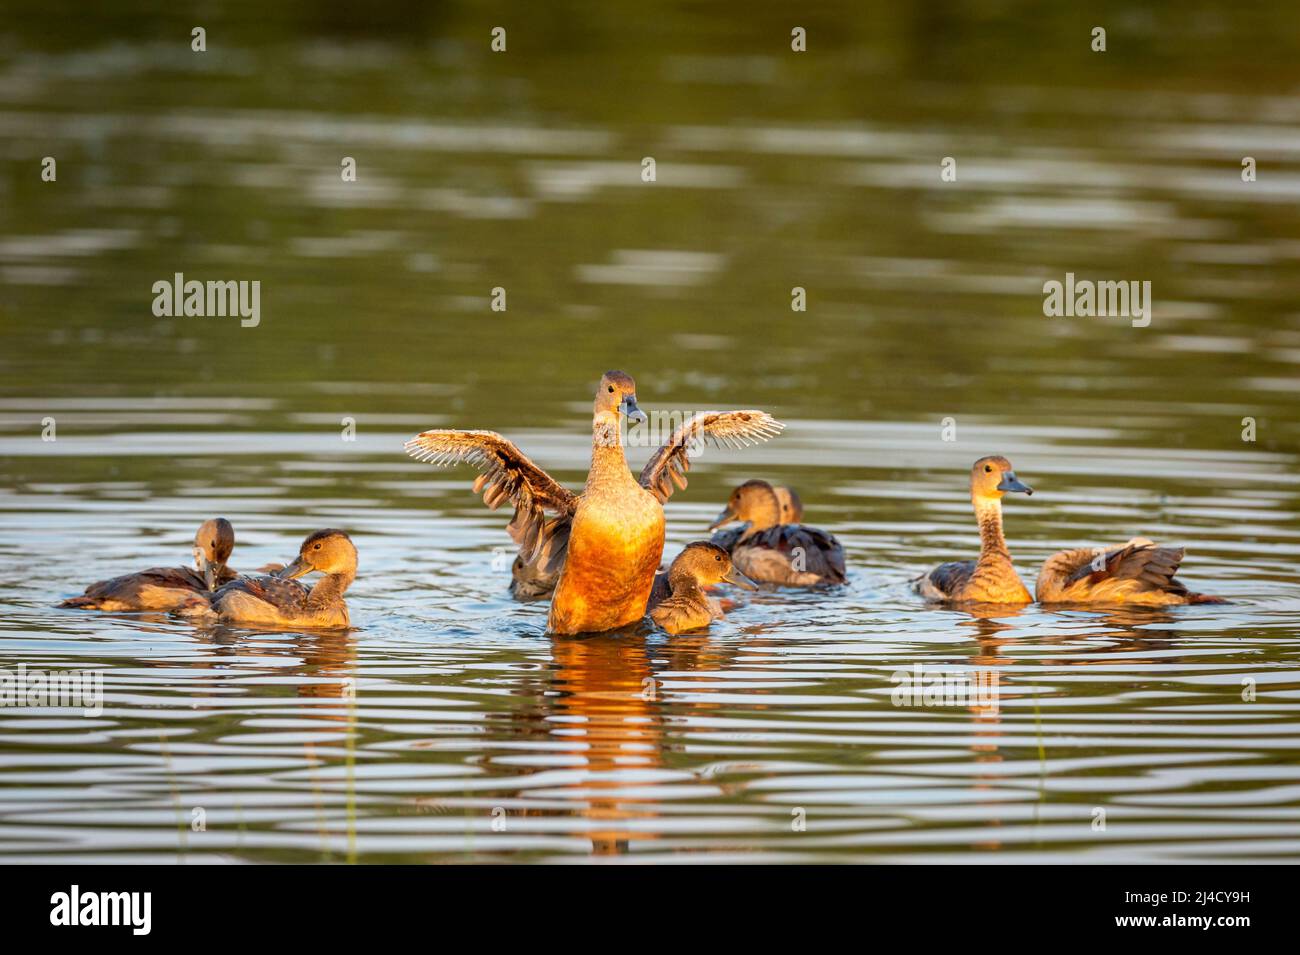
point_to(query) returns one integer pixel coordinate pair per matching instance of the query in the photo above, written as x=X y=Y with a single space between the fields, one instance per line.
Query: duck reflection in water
x=1120 y=631
x=603 y=704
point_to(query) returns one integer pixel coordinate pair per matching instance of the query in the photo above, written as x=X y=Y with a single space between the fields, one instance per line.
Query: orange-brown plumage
x=992 y=578
x=1139 y=572
x=603 y=546
x=679 y=602
x=615 y=546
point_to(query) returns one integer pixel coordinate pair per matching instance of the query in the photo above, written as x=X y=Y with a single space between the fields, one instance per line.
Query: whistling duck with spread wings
x=605 y=543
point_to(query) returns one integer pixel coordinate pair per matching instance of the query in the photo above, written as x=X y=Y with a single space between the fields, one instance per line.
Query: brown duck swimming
x=280 y=601
x=678 y=602
x=605 y=543
x=167 y=588
x=770 y=551
x=992 y=578
x=1140 y=572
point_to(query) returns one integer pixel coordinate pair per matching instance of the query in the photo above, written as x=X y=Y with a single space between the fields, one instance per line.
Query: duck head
x=615 y=396
x=706 y=564
x=992 y=477
x=213 y=544
x=328 y=552
x=791 y=506
x=755 y=503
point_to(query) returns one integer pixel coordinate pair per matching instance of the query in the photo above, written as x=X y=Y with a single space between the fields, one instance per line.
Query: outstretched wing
x=736 y=429
x=507 y=475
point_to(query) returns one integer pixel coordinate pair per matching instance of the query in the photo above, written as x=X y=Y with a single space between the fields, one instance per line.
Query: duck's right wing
x=668 y=465
x=277 y=591
x=507 y=475
x=1143 y=562
x=808 y=549
x=128 y=586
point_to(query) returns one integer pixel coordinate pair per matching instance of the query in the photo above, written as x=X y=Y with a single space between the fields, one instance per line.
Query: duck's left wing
x=736 y=429
x=507 y=475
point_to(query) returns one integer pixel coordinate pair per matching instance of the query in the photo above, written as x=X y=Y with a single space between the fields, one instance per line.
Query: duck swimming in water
x=770 y=551
x=791 y=513
x=280 y=601
x=604 y=544
x=992 y=578
x=167 y=588
x=678 y=602
x=1139 y=572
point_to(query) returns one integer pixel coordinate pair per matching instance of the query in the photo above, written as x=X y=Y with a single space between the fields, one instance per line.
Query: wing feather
x=1139 y=559
x=735 y=429
x=507 y=475
x=945 y=580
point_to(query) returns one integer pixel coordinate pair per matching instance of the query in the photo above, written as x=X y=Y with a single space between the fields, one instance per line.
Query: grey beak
x=634 y=414
x=726 y=517
x=1010 y=482
x=734 y=576
x=298 y=568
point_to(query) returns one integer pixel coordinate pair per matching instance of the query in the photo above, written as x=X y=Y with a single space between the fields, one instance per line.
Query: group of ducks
x=597 y=554
x=1139 y=572
x=212 y=591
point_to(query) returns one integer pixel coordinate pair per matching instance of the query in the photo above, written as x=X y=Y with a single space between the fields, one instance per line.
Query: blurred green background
x=775 y=169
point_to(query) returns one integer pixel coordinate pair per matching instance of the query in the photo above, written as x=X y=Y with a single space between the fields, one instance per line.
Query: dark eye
x=317 y=547
x=611 y=389
x=212 y=543
x=718 y=558
x=988 y=467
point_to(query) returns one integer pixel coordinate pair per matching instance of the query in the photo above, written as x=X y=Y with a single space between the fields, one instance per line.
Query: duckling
x=167 y=588
x=992 y=578
x=770 y=551
x=1139 y=572
x=678 y=602
x=532 y=581
x=603 y=545
x=280 y=601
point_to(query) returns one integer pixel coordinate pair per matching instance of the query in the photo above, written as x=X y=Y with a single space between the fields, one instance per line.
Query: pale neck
x=988 y=513
x=606 y=446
